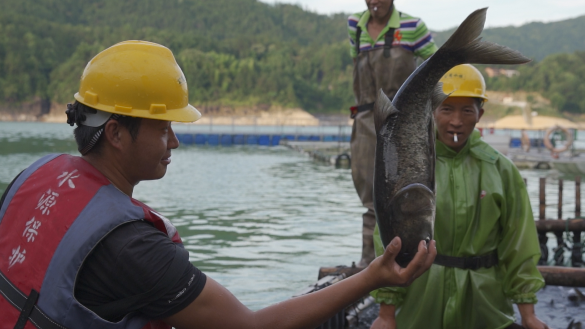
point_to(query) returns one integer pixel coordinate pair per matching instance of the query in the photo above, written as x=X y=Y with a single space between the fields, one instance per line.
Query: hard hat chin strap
x=92 y=142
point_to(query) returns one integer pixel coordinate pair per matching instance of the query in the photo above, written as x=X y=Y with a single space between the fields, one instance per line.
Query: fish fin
x=383 y=109
x=438 y=96
x=466 y=42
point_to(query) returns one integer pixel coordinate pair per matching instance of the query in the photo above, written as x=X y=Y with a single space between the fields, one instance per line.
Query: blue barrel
x=314 y=138
x=239 y=140
x=188 y=139
x=252 y=140
x=226 y=140
x=200 y=139
x=302 y=138
x=515 y=143
x=275 y=140
x=264 y=140
x=213 y=140
x=288 y=137
x=185 y=138
x=536 y=142
x=346 y=138
x=329 y=138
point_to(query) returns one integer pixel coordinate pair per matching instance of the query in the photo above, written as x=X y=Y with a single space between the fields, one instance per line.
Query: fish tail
x=467 y=44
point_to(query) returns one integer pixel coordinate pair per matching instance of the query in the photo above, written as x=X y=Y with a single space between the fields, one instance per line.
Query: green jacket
x=482 y=206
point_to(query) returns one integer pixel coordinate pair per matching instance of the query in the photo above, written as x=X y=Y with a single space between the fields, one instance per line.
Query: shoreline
x=273 y=116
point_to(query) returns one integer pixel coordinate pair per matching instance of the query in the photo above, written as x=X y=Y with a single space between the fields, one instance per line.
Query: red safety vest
x=54 y=214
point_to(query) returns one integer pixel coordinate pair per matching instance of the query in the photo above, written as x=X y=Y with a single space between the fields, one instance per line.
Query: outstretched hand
x=306 y=311
x=384 y=271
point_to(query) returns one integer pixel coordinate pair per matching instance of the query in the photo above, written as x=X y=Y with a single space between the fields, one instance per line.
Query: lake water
x=259 y=220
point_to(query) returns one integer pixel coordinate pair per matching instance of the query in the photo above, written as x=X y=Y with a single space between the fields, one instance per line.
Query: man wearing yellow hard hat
x=486 y=238
x=77 y=251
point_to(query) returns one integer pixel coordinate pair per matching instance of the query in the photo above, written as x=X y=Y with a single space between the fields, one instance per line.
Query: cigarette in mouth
x=375 y=8
x=455 y=139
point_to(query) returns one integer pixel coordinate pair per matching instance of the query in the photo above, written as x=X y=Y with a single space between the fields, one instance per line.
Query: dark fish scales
x=404 y=174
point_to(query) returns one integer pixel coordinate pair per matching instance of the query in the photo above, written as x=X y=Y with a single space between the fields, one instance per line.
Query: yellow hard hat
x=137 y=79
x=464 y=81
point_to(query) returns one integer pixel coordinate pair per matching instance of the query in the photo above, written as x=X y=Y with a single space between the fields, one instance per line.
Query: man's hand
x=385 y=272
x=529 y=319
x=391 y=274
x=385 y=319
x=307 y=311
x=384 y=323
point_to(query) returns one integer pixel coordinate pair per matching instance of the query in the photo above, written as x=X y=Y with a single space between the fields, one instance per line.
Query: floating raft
x=337 y=154
x=561 y=294
x=229 y=139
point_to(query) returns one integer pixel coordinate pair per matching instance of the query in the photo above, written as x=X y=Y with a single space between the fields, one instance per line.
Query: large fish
x=404 y=174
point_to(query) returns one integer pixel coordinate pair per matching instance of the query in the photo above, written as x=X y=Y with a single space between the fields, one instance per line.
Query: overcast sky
x=443 y=14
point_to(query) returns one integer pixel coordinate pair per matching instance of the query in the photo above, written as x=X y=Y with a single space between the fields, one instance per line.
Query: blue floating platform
x=201 y=139
x=252 y=140
x=213 y=140
x=329 y=138
x=226 y=140
x=185 y=138
x=239 y=139
x=264 y=140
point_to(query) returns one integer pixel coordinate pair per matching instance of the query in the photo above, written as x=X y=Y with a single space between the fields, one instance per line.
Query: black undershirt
x=130 y=261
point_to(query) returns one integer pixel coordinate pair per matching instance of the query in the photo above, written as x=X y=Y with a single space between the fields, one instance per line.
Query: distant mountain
x=233 y=52
x=535 y=40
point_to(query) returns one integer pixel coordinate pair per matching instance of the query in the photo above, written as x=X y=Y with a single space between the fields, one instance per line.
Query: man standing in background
x=384 y=44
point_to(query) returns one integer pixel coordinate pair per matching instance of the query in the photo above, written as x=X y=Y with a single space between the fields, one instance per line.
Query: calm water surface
x=260 y=221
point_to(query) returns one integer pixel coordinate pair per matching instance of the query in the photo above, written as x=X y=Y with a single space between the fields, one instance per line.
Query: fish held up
x=404 y=174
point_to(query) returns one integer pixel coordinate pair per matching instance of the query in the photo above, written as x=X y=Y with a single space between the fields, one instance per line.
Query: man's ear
x=113 y=134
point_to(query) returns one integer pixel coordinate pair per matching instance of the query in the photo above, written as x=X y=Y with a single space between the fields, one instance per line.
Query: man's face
x=379 y=8
x=148 y=156
x=457 y=116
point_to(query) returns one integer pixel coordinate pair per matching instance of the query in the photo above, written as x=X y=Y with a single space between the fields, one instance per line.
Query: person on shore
x=486 y=237
x=383 y=44
x=77 y=251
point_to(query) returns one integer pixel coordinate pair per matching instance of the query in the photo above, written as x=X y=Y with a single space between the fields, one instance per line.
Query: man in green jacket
x=486 y=237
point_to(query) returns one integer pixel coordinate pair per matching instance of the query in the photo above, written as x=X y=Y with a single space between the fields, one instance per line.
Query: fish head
x=412 y=213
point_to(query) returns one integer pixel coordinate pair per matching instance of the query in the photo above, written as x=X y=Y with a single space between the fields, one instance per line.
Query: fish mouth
x=423 y=189
x=413 y=211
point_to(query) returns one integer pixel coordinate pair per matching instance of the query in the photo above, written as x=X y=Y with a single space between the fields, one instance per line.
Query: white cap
x=95 y=118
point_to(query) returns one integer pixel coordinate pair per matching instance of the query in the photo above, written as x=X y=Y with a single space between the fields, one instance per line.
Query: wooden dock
x=334 y=153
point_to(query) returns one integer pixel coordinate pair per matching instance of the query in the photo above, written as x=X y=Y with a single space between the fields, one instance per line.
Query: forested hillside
x=535 y=40
x=233 y=52
x=237 y=52
x=560 y=78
